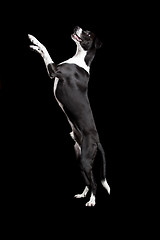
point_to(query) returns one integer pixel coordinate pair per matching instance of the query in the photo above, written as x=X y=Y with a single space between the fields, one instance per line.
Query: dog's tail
x=103 y=169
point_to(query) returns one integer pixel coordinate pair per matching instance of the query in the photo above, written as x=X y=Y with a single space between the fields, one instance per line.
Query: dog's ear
x=97 y=43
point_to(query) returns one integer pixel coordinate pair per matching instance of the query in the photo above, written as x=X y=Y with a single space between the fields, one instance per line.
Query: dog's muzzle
x=77 y=34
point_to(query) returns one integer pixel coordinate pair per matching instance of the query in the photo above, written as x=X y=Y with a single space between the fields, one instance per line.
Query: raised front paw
x=34 y=40
x=38 y=47
x=35 y=48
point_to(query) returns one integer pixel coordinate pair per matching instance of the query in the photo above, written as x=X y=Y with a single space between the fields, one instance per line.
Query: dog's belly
x=56 y=81
x=76 y=107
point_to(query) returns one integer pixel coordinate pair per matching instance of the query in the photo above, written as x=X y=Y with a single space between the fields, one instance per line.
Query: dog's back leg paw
x=83 y=194
x=92 y=201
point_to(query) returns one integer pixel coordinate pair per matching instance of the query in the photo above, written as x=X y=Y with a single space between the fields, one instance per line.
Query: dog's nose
x=76 y=28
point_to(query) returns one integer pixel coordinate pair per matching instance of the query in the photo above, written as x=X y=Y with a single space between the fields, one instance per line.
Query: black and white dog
x=70 y=90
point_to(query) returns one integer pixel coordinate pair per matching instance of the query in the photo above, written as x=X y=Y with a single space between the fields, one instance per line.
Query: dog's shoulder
x=72 y=70
x=73 y=76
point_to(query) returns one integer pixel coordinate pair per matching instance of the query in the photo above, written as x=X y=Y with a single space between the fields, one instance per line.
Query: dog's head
x=86 y=39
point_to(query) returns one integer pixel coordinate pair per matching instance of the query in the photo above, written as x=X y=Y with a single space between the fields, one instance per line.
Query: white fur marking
x=83 y=194
x=54 y=90
x=78 y=147
x=55 y=85
x=72 y=135
x=106 y=185
x=78 y=58
x=92 y=201
x=79 y=31
x=41 y=49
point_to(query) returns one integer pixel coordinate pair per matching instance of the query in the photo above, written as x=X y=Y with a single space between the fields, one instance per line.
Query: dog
x=71 y=79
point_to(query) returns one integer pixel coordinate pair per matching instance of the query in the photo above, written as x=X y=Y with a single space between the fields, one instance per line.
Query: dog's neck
x=79 y=58
x=86 y=56
x=80 y=52
x=82 y=58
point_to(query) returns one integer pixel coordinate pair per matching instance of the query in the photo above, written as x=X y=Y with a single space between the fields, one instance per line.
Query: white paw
x=34 y=40
x=80 y=195
x=91 y=203
x=83 y=194
x=35 y=48
x=38 y=47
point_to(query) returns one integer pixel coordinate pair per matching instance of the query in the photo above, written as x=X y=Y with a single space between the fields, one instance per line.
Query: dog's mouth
x=76 y=37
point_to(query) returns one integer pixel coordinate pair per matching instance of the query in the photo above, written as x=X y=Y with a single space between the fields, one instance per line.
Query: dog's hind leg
x=89 y=150
x=83 y=194
x=76 y=136
x=78 y=156
x=93 y=185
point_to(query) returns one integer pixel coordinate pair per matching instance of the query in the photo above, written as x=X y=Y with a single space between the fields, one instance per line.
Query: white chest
x=78 y=61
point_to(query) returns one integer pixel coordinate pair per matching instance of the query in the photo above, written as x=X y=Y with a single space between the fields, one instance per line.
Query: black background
x=41 y=175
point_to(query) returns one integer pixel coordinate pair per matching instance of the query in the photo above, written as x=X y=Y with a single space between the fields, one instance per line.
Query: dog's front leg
x=41 y=49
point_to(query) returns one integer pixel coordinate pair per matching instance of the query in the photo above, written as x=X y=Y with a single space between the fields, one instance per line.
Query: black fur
x=71 y=92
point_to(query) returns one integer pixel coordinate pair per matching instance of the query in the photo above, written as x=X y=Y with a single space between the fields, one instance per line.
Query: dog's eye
x=88 y=34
